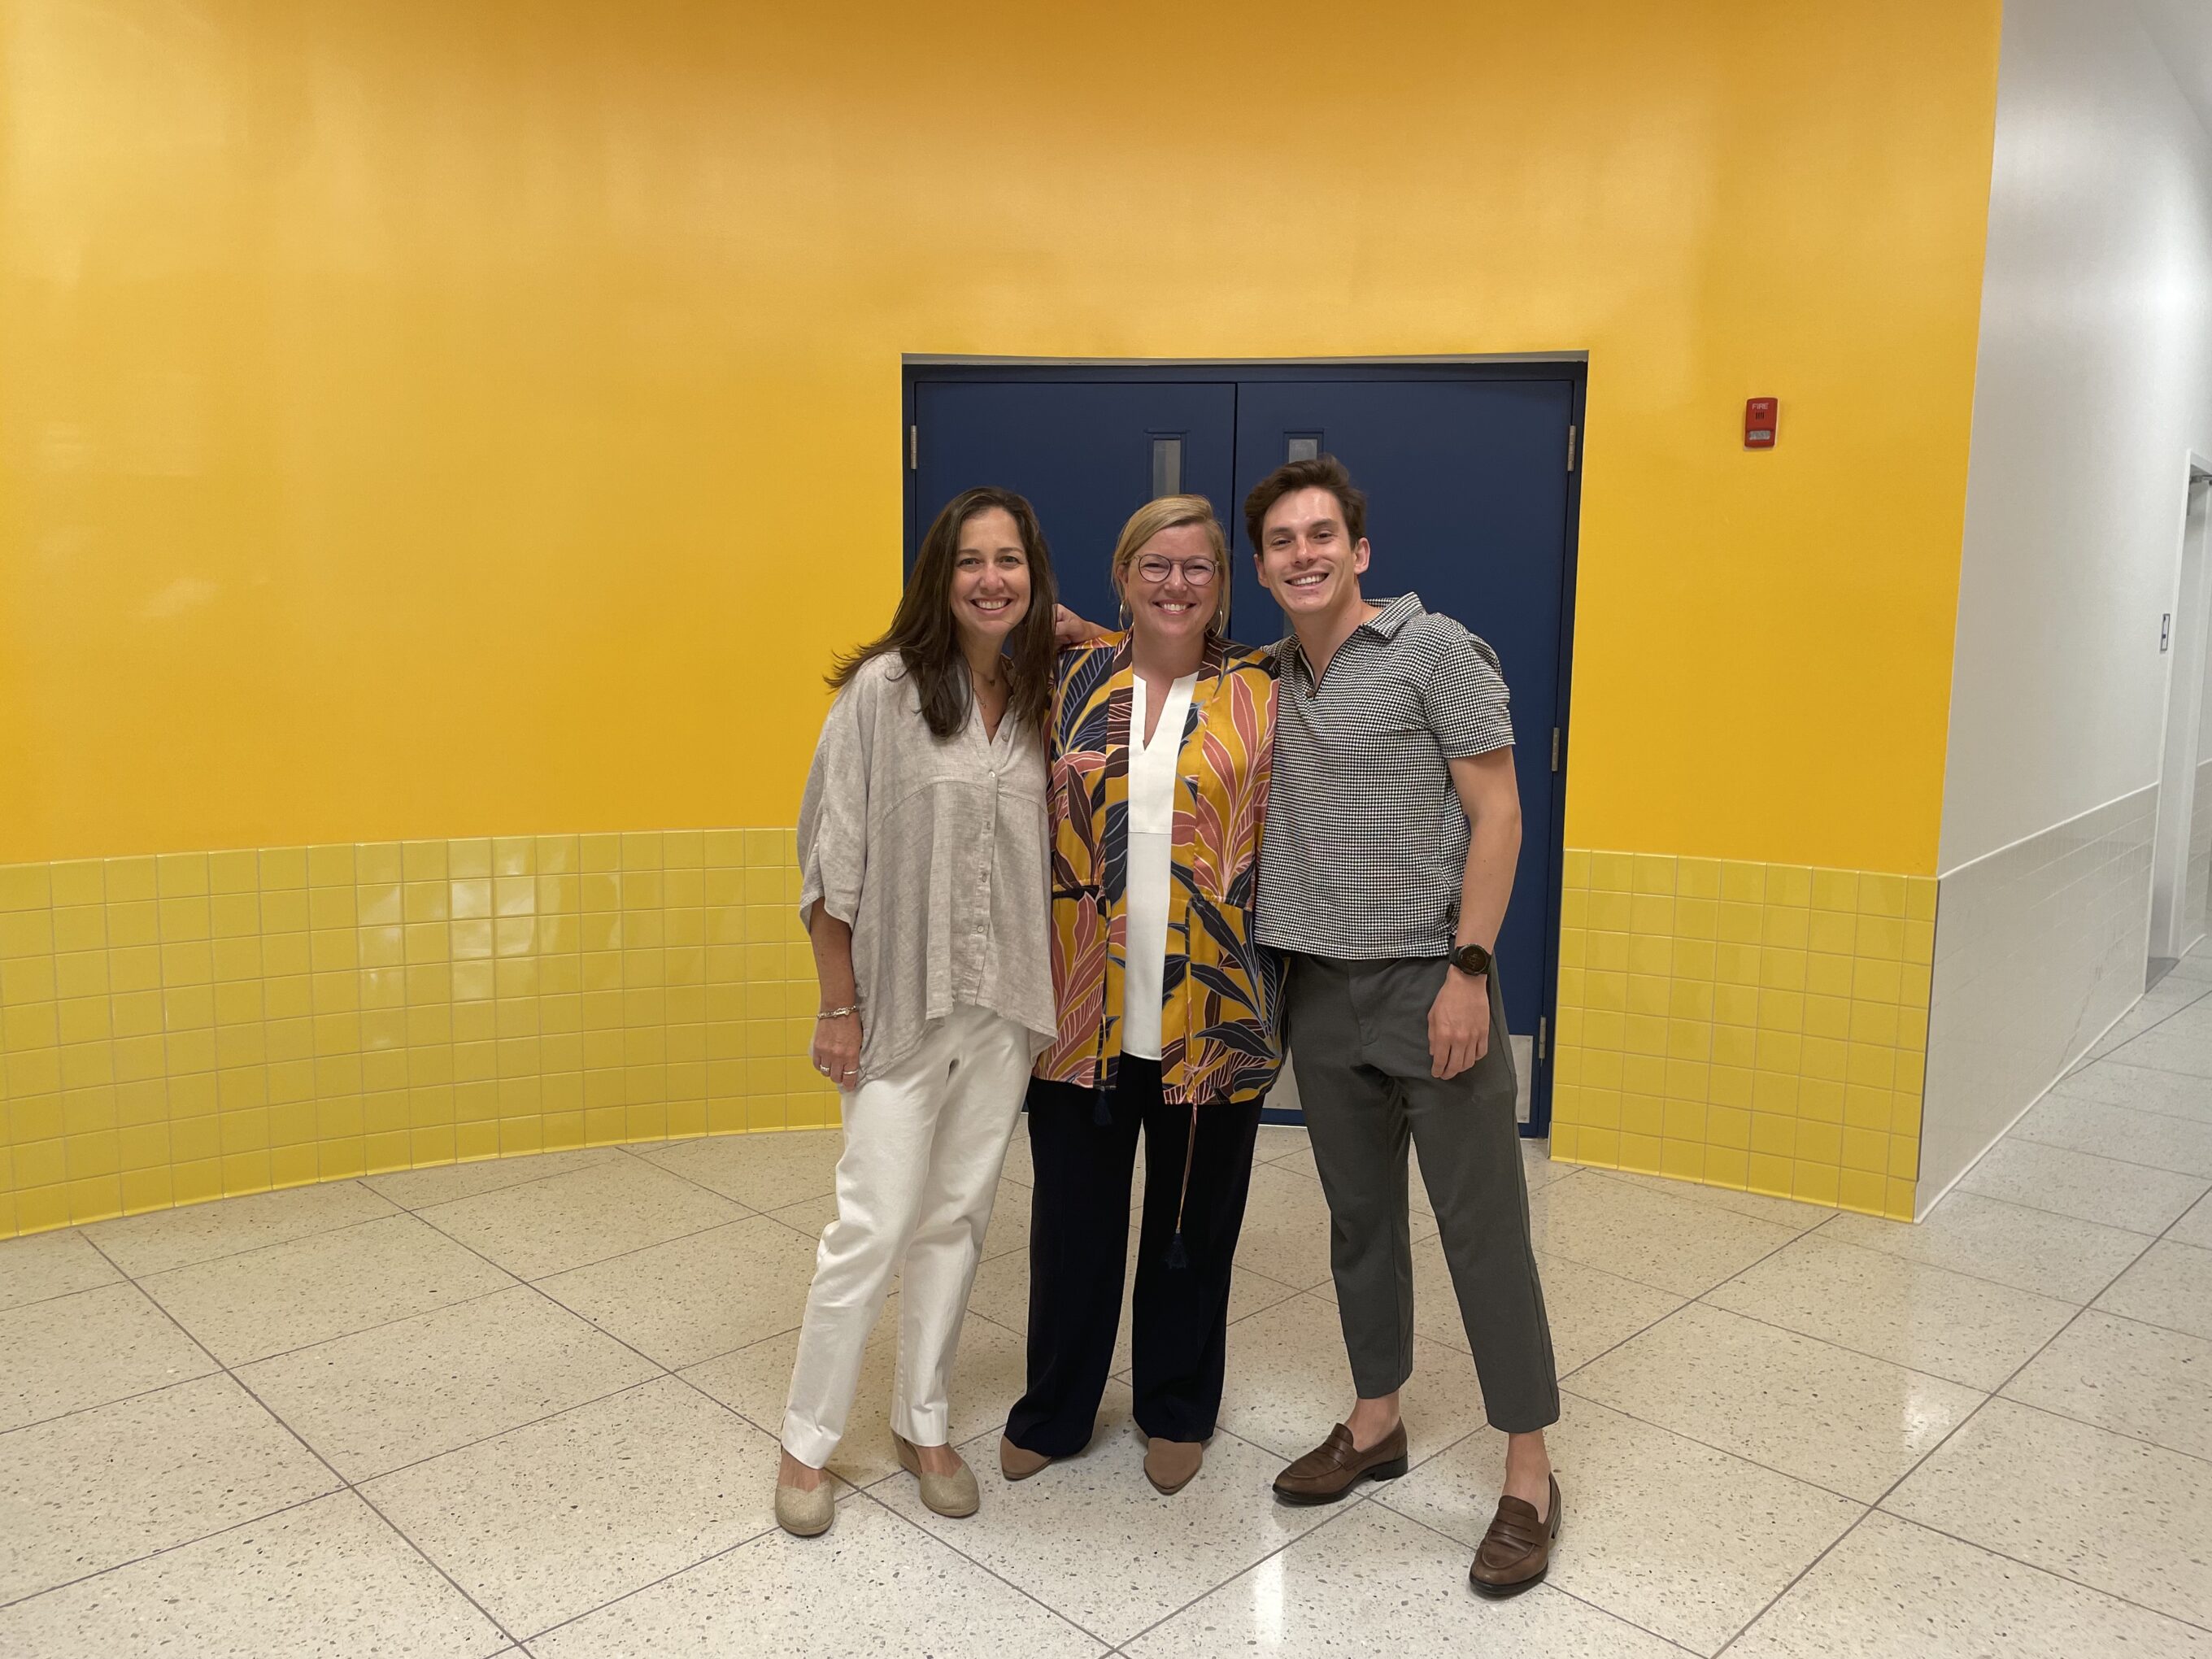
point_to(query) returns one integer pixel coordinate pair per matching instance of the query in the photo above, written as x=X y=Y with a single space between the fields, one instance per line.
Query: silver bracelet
x=838 y=1013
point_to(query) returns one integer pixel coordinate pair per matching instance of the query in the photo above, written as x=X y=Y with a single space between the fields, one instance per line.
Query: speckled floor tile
x=402 y=1392
x=1537 y=1169
x=162 y=1239
x=1782 y=1211
x=1301 y=1163
x=2195 y=1227
x=1286 y=1235
x=1679 y=1244
x=808 y=1217
x=328 y=1578
x=2145 y=1088
x=1837 y=1419
x=248 y=1306
x=1927 y=1318
x=1892 y=1591
x=2067 y=1183
x=1370 y=1582
x=568 y=1221
x=1289 y=1383
x=86 y=1349
x=1589 y=1311
x=765 y=1171
x=2141 y=1380
x=1089 y=1538
x=2054 y=1256
x=548 y=1522
x=1279 y=1140
x=98 y=1488
x=418 y=1189
x=698 y=1295
x=2174 y=1043
x=2170 y=1285
x=2132 y=1520
x=873 y=1585
x=1019 y=1167
x=987 y=1379
x=2164 y=1142
x=1625 y=1488
x=48 y=1265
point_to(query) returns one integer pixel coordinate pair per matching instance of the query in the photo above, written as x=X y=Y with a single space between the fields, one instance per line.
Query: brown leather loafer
x=1334 y=1467
x=1517 y=1551
x=1170 y=1465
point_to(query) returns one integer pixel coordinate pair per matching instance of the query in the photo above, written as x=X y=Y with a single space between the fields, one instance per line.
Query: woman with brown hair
x=921 y=848
x=1162 y=738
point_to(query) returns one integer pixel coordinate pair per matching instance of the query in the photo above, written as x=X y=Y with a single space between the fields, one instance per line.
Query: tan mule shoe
x=1019 y=1462
x=1170 y=1464
x=954 y=1496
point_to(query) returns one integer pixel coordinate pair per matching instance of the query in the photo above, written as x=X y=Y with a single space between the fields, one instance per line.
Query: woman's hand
x=837 y=1050
x=1070 y=629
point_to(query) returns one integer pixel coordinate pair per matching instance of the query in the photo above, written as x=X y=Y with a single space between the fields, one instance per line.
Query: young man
x=1393 y=825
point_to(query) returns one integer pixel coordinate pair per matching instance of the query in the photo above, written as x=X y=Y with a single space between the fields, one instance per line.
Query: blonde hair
x=1166 y=512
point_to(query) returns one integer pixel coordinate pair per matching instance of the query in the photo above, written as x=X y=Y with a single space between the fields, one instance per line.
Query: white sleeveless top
x=1152 y=768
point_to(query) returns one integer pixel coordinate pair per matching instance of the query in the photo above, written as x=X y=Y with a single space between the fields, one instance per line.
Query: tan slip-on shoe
x=1517 y=1551
x=1019 y=1462
x=805 y=1514
x=1334 y=1467
x=1170 y=1464
x=954 y=1496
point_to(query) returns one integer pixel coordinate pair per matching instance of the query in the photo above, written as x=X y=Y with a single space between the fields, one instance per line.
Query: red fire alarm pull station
x=1758 y=415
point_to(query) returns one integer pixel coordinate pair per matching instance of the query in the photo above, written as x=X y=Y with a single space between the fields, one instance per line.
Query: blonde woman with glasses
x=1163 y=736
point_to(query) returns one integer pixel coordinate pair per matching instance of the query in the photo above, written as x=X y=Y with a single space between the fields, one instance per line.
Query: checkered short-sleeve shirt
x=1366 y=842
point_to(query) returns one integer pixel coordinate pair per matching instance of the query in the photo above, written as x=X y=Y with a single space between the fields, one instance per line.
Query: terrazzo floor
x=528 y=1407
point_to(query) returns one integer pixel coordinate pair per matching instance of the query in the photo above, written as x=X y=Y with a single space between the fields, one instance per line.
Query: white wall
x=2095 y=380
x=2095 y=377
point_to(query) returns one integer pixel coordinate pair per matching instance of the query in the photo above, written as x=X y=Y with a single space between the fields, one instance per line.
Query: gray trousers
x=1359 y=1044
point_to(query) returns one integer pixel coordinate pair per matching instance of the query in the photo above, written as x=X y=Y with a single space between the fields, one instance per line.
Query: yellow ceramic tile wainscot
x=1759 y=1026
x=197 y=1025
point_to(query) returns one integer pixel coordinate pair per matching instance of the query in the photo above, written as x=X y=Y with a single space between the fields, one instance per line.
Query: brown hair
x=1165 y=513
x=1322 y=472
x=927 y=639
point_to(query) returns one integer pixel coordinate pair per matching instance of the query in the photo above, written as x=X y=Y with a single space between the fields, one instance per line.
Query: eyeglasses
x=1199 y=572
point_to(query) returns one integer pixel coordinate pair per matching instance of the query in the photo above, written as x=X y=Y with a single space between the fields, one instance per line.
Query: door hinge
x=1571 y=449
x=913 y=448
x=1543 y=1031
x=1555 y=749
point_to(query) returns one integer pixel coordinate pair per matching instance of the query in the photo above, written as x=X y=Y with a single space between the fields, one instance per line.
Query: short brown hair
x=1322 y=472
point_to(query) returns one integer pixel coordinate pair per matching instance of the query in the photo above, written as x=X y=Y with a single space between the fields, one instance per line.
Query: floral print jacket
x=1221 y=991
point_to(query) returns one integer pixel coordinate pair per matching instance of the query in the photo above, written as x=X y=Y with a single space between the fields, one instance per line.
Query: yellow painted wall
x=422 y=424
x=420 y=420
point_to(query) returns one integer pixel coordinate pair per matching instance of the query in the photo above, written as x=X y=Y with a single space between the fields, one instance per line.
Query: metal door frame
x=1571 y=366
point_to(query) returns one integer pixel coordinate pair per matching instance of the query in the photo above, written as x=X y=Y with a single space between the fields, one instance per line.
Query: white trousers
x=923 y=1148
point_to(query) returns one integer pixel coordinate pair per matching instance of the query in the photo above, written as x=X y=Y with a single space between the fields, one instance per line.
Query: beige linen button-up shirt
x=935 y=854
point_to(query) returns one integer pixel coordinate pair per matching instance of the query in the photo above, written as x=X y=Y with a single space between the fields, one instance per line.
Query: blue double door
x=1470 y=476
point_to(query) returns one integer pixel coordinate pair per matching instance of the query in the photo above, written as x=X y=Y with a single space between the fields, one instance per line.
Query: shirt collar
x=1384 y=625
x=1394 y=615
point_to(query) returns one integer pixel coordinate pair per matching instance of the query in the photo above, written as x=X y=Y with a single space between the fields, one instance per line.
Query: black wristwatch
x=1470 y=959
